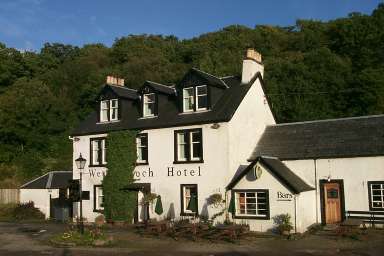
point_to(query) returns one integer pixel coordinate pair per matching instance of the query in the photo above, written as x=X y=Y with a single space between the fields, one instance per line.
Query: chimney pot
x=111 y=80
x=253 y=55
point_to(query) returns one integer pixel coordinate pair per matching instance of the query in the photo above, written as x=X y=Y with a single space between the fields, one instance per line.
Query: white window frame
x=146 y=102
x=190 y=97
x=104 y=107
x=191 y=142
x=95 y=144
x=113 y=108
x=185 y=204
x=381 y=189
x=99 y=198
x=256 y=203
x=109 y=106
x=140 y=147
x=201 y=95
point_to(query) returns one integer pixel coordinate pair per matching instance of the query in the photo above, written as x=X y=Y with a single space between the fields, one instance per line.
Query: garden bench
x=370 y=217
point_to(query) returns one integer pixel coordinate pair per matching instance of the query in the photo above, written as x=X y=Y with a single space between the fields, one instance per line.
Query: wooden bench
x=370 y=217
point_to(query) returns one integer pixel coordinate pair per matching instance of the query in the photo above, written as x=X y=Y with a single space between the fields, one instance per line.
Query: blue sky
x=28 y=24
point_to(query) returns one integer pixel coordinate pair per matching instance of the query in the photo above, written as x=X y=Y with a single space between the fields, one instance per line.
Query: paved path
x=28 y=239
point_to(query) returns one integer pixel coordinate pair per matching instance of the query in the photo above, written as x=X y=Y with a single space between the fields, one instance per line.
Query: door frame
x=322 y=202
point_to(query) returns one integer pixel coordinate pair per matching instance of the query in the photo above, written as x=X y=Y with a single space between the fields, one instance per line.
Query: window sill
x=195 y=112
x=188 y=214
x=108 y=122
x=188 y=161
x=251 y=217
x=147 y=117
x=141 y=163
x=100 y=165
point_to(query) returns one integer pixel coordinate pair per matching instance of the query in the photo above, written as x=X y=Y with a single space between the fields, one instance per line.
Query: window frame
x=138 y=137
x=102 y=109
x=370 y=201
x=154 y=105
x=248 y=216
x=197 y=108
x=109 y=110
x=96 y=207
x=102 y=152
x=193 y=99
x=189 y=148
x=183 y=212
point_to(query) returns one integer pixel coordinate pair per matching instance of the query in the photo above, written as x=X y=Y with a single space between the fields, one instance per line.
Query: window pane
x=104 y=151
x=188 y=99
x=95 y=152
x=202 y=102
x=196 y=149
x=201 y=90
x=149 y=104
x=104 y=111
x=182 y=146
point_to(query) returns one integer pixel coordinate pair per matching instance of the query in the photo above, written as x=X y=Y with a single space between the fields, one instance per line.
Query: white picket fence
x=9 y=196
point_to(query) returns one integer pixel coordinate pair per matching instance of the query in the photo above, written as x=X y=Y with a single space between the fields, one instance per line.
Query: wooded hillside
x=314 y=70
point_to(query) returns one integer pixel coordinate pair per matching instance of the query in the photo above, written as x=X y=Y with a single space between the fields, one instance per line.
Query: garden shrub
x=21 y=211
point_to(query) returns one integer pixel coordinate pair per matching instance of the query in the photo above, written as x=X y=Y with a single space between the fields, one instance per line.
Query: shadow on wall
x=171 y=211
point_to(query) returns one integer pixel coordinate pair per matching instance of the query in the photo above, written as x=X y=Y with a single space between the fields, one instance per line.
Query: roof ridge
x=122 y=87
x=149 y=81
x=198 y=70
x=330 y=120
x=29 y=182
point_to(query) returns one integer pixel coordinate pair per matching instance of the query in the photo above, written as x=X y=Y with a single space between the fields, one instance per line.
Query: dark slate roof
x=347 y=137
x=161 y=88
x=124 y=92
x=211 y=78
x=222 y=111
x=285 y=175
x=50 y=180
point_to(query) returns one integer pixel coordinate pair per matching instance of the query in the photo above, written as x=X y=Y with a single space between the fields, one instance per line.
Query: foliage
x=119 y=205
x=215 y=199
x=73 y=236
x=313 y=70
x=148 y=198
x=20 y=212
x=283 y=223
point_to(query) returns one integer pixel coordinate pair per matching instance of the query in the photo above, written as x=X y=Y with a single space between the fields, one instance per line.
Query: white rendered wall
x=91 y=176
x=247 y=125
x=355 y=173
x=40 y=198
x=210 y=175
x=276 y=205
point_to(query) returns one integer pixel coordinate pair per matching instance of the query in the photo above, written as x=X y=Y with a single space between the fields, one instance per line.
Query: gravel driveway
x=31 y=239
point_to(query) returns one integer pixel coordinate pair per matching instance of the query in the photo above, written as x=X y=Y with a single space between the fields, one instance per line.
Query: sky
x=28 y=24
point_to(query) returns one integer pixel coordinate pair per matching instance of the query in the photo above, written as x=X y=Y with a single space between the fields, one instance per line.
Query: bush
x=27 y=211
x=21 y=211
x=283 y=223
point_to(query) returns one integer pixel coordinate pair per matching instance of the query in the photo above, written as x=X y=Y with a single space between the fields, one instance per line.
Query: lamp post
x=80 y=163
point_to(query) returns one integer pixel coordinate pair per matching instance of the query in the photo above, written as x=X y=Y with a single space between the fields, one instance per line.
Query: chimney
x=111 y=80
x=251 y=65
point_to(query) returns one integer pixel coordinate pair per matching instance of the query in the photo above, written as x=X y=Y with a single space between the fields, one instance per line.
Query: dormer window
x=195 y=98
x=149 y=104
x=109 y=110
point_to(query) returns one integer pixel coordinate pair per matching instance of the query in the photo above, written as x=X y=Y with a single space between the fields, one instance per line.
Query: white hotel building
x=210 y=135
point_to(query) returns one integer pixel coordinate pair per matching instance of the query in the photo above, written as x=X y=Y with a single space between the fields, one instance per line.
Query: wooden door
x=332 y=203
